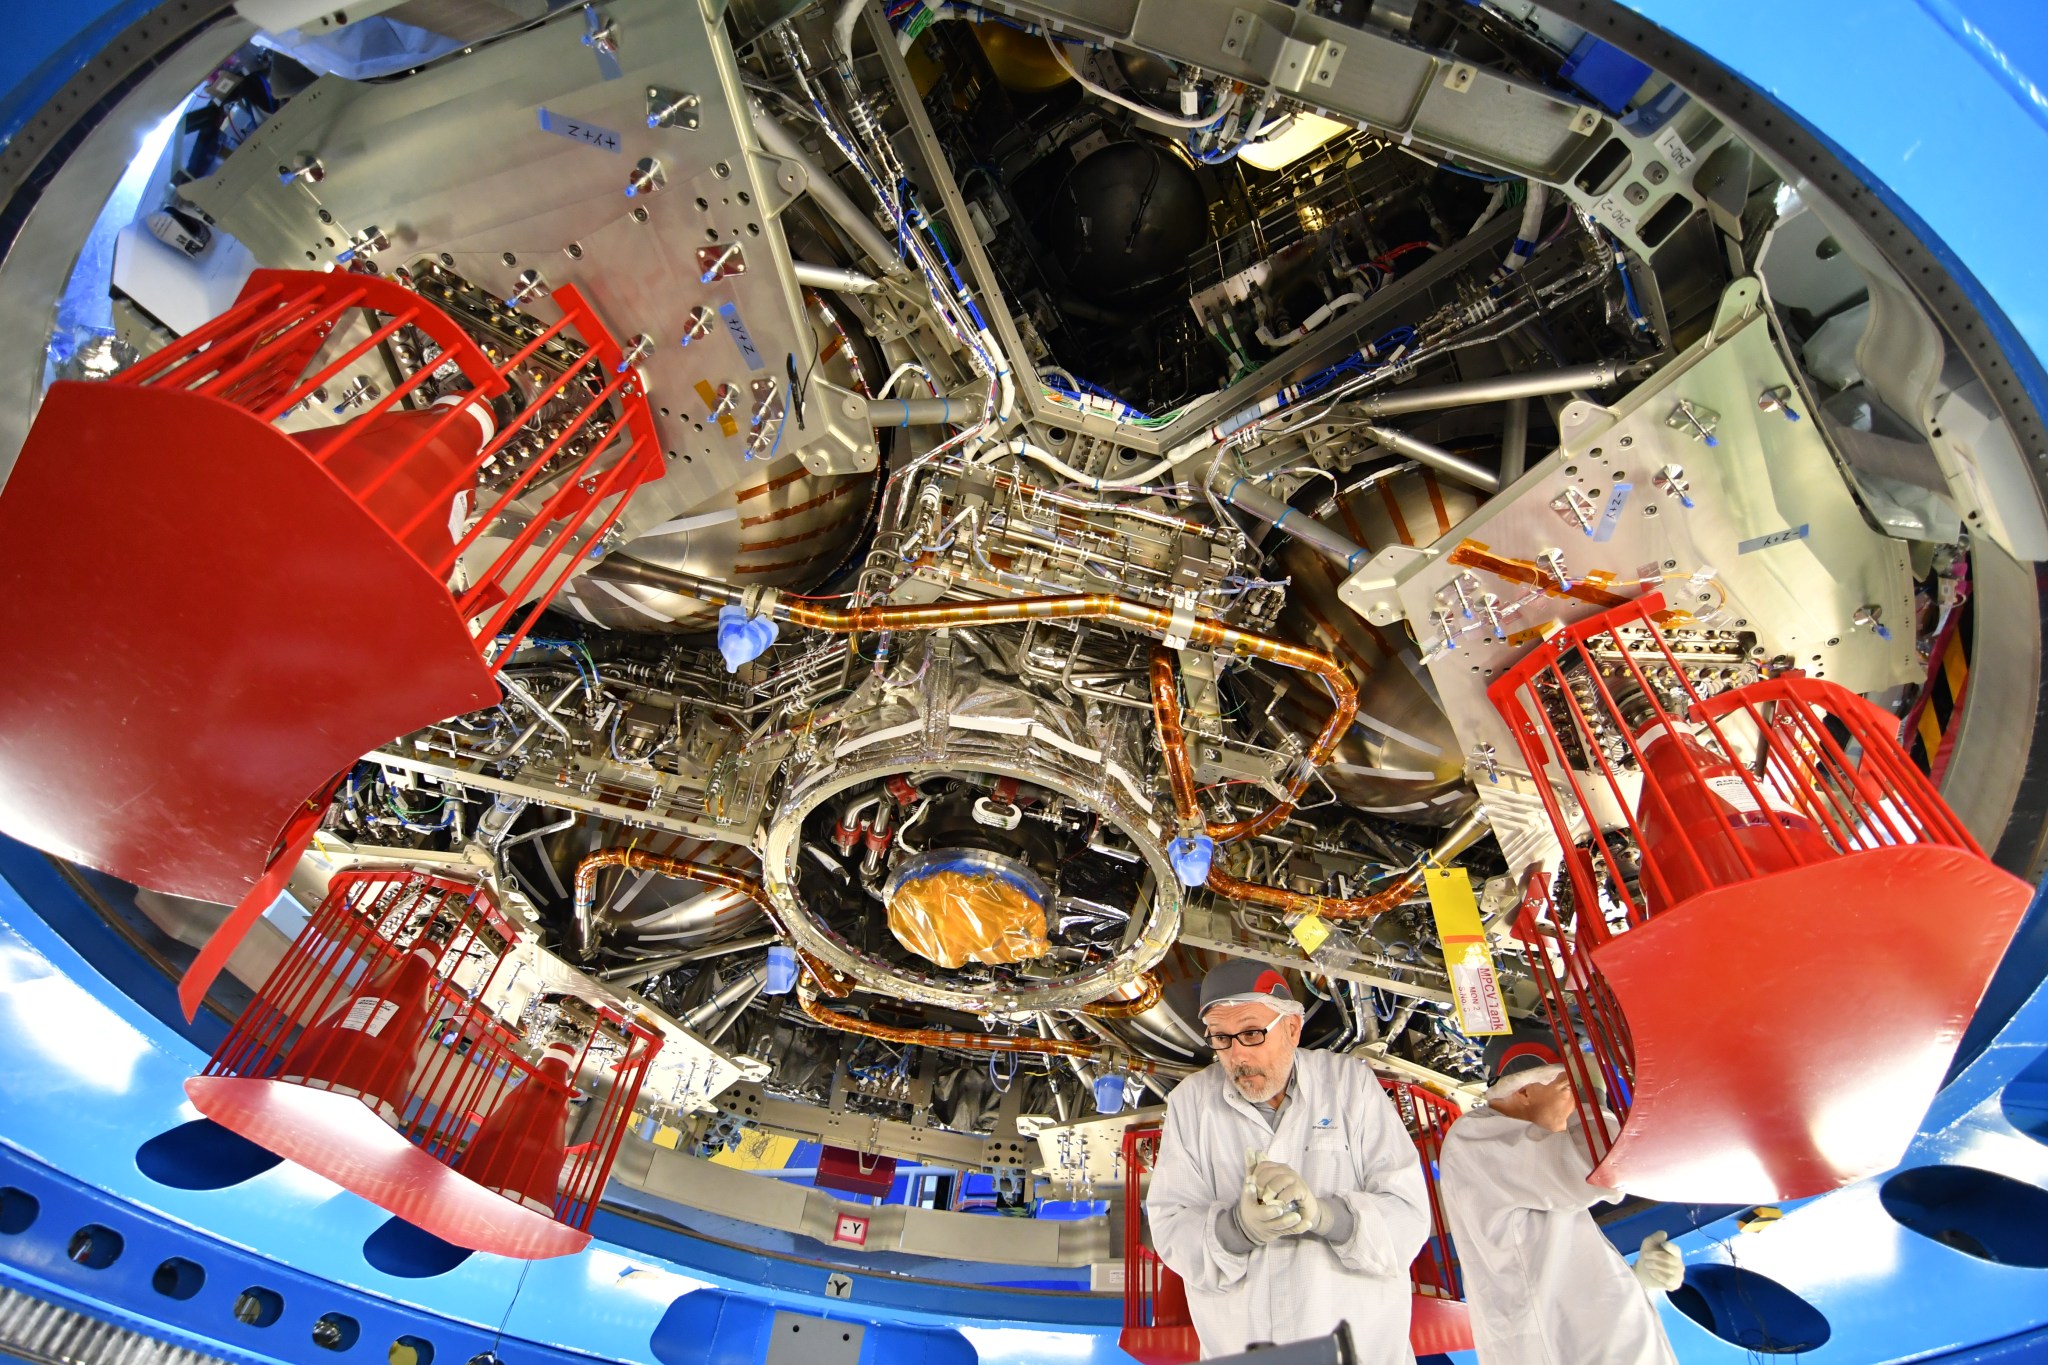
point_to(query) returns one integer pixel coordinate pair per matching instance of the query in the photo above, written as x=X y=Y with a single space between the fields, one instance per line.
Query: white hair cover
x=1279 y=1005
x=1525 y=1076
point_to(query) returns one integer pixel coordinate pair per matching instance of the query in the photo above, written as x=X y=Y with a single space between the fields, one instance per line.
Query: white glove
x=1261 y=1222
x=1282 y=1190
x=1658 y=1265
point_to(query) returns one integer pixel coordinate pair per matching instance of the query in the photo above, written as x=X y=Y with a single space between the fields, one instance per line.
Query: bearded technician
x=1287 y=1195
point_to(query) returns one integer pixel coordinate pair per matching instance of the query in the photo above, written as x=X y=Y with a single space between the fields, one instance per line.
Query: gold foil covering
x=956 y=917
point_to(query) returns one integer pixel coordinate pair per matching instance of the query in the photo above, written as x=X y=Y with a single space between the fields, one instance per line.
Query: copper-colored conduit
x=638 y=860
x=1102 y=606
x=952 y=1040
x=1180 y=774
x=1148 y=995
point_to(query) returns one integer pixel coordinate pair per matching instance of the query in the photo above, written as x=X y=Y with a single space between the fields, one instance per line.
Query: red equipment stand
x=1776 y=941
x=1158 y=1329
x=368 y=1057
x=214 y=616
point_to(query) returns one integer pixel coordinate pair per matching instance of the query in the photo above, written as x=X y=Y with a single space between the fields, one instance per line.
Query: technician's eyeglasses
x=1250 y=1037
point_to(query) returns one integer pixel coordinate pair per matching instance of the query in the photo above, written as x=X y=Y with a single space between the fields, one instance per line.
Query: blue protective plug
x=1191 y=858
x=741 y=638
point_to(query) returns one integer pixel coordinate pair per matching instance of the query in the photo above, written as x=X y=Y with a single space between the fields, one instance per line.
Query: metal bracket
x=1329 y=56
x=1738 y=301
x=1371 y=591
x=668 y=108
x=781 y=182
x=1237 y=39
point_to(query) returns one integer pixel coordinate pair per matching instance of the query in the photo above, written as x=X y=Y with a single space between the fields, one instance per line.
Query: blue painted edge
x=57 y=903
x=33 y=1262
x=65 y=56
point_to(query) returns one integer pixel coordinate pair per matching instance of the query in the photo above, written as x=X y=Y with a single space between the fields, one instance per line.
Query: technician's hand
x=1282 y=1188
x=1261 y=1221
x=1658 y=1265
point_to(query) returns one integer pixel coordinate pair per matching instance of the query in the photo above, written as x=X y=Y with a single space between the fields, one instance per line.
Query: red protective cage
x=224 y=645
x=370 y=1056
x=1158 y=1329
x=1744 y=932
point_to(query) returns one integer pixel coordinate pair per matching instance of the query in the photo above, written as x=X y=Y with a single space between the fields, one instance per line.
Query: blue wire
x=1098 y=391
x=1628 y=290
x=1480 y=176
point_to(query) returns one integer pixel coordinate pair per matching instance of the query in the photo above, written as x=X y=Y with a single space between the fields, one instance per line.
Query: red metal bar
x=569 y=432
x=146 y=369
x=550 y=512
x=348 y=358
x=569 y=566
x=258 y=357
x=217 y=352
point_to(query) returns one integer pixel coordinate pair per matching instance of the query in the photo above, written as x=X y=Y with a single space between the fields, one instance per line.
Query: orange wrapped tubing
x=1102 y=606
x=638 y=860
x=1180 y=775
x=1149 y=991
x=1328 y=907
x=952 y=1040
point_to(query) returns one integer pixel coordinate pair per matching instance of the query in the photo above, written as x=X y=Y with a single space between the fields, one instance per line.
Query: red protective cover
x=841 y=1168
x=1791 y=1031
x=202 y=625
x=340 y=1138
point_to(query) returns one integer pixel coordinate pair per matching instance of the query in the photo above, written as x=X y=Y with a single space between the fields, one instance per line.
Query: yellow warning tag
x=1311 y=933
x=1475 y=989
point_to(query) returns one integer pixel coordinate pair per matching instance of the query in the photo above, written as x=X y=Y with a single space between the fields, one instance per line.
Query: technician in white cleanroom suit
x=1322 y=1230
x=1543 y=1285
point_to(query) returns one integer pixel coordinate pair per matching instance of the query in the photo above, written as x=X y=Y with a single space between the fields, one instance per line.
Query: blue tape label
x=1610 y=517
x=589 y=134
x=741 y=337
x=1750 y=547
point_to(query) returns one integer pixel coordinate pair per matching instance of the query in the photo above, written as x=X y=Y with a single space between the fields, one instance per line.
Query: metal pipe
x=542 y=714
x=628 y=977
x=921 y=412
x=1073 y=606
x=1295 y=522
x=1514 y=440
x=1527 y=385
x=1436 y=457
x=714 y=1019
x=834 y=277
x=626 y=569
x=836 y=203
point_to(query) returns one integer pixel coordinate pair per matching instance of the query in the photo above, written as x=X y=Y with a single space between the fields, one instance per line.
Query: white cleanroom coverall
x=1543 y=1285
x=1339 y=1131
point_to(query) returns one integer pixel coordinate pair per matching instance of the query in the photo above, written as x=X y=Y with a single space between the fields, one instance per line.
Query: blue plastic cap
x=1191 y=858
x=1109 y=1094
x=743 y=639
x=781 y=970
